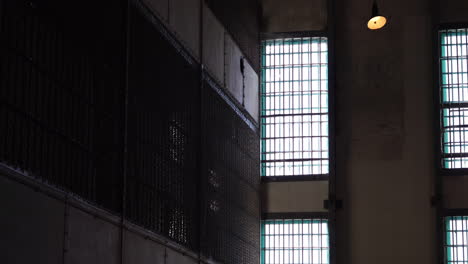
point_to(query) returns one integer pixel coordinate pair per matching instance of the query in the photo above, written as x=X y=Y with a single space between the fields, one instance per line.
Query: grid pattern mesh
x=456 y=239
x=60 y=115
x=163 y=136
x=294 y=107
x=454 y=97
x=298 y=241
x=63 y=108
x=230 y=183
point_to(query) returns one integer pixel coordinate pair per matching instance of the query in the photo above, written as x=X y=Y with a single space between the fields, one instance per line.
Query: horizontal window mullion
x=290 y=160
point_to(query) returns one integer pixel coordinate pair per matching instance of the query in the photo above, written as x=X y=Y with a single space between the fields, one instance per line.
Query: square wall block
x=251 y=92
x=184 y=18
x=174 y=257
x=142 y=250
x=232 y=69
x=91 y=240
x=213 y=45
x=32 y=225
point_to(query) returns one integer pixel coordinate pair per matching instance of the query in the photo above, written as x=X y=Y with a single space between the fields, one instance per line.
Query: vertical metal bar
x=291 y=102
x=302 y=236
x=460 y=95
x=332 y=181
x=282 y=90
x=126 y=52
x=301 y=103
x=438 y=136
x=199 y=134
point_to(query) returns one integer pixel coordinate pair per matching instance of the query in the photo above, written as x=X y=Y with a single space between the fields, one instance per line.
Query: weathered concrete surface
x=453 y=11
x=159 y=7
x=213 y=45
x=232 y=70
x=37 y=228
x=241 y=19
x=91 y=239
x=184 y=18
x=174 y=257
x=142 y=250
x=251 y=92
x=293 y=197
x=454 y=192
x=293 y=15
x=31 y=225
x=385 y=158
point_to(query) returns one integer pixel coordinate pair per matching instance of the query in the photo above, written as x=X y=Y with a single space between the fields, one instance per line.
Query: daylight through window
x=294 y=107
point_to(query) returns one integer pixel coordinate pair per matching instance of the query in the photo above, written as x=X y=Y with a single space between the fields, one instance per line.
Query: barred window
x=294 y=107
x=456 y=239
x=454 y=97
x=303 y=241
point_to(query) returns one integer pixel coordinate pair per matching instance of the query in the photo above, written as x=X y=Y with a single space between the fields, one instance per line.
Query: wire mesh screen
x=295 y=241
x=454 y=97
x=456 y=239
x=163 y=120
x=230 y=183
x=294 y=107
x=60 y=120
x=67 y=120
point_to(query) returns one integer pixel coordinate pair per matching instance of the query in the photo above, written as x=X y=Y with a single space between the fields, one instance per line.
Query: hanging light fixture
x=376 y=21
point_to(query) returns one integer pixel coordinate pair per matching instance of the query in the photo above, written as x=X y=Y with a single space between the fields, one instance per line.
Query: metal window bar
x=300 y=241
x=456 y=239
x=294 y=107
x=454 y=97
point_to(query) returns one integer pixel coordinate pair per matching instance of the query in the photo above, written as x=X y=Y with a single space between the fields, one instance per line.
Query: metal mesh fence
x=230 y=178
x=65 y=113
x=61 y=120
x=163 y=120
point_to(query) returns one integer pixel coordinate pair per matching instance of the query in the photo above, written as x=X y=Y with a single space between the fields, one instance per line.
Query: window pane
x=456 y=239
x=454 y=97
x=295 y=241
x=294 y=101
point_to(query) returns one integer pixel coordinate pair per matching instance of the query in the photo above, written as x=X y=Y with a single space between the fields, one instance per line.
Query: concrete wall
x=294 y=15
x=40 y=224
x=385 y=140
x=221 y=51
x=241 y=20
x=294 y=197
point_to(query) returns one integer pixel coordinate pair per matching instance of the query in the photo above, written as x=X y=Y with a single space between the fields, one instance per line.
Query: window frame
x=438 y=101
x=454 y=213
x=300 y=216
x=331 y=111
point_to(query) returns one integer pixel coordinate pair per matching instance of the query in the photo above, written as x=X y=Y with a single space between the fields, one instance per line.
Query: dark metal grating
x=454 y=97
x=59 y=105
x=456 y=239
x=67 y=120
x=230 y=182
x=163 y=120
x=294 y=107
x=295 y=241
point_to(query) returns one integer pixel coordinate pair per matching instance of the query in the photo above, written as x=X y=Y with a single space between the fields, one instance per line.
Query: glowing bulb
x=376 y=22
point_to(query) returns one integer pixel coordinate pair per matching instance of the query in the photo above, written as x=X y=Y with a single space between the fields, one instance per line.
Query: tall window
x=456 y=239
x=454 y=97
x=294 y=107
x=294 y=241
